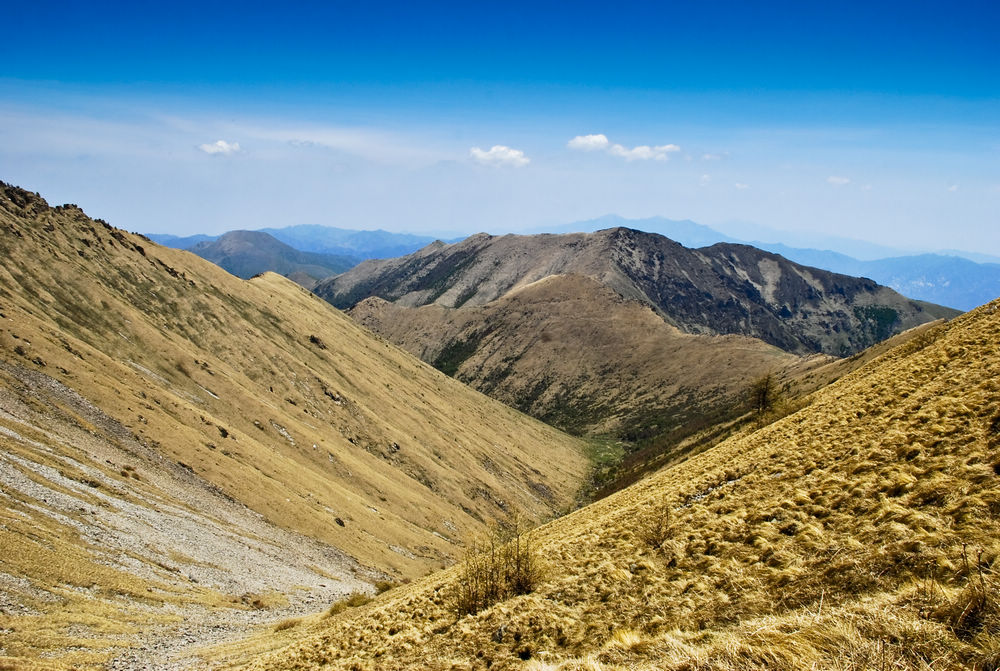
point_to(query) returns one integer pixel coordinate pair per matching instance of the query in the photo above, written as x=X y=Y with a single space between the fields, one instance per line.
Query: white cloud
x=220 y=147
x=866 y=187
x=711 y=157
x=644 y=152
x=741 y=186
x=500 y=155
x=704 y=180
x=953 y=188
x=837 y=180
x=600 y=142
x=589 y=142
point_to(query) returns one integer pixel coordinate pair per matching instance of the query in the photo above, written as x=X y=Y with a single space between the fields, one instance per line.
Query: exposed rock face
x=722 y=289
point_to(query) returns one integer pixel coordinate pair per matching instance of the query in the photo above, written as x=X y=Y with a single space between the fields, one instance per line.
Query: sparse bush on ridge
x=352 y=600
x=501 y=564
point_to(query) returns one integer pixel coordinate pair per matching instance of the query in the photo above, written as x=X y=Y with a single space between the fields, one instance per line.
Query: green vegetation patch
x=877 y=319
x=455 y=354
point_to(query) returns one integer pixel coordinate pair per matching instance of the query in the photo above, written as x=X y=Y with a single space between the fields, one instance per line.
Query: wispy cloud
x=220 y=147
x=600 y=142
x=589 y=142
x=953 y=188
x=704 y=180
x=370 y=144
x=741 y=186
x=500 y=155
x=837 y=180
x=711 y=157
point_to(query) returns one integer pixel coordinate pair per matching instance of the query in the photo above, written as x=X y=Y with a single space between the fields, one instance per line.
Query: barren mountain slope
x=574 y=353
x=857 y=533
x=171 y=434
x=722 y=289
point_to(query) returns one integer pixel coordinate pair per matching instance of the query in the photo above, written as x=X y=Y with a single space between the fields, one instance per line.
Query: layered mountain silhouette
x=249 y=253
x=722 y=289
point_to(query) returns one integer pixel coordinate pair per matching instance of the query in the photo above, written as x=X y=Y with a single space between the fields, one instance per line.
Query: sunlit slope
x=256 y=390
x=574 y=353
x=857 y=533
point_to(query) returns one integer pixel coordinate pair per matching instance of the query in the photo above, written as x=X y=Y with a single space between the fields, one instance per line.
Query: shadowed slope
x=859 y=532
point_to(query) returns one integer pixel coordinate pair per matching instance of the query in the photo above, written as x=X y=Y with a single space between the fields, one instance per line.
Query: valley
x=190 y=458
x=855 y=533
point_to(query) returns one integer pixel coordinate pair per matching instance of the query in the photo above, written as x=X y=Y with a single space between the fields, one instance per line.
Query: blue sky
x=876 y=122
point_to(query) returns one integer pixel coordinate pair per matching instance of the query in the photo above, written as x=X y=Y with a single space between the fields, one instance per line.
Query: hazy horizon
x=879 y=124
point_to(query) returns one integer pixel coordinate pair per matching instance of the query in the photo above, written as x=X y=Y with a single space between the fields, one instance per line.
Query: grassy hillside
x=856 y=533
x=177 y=443
x=577 y=355
x=574 y=353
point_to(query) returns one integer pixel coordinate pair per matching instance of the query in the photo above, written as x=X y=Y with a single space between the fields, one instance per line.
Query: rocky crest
x=717 y=290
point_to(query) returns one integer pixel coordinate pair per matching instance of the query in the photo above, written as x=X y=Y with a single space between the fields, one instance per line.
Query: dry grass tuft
x=352 y=600
x=286 y=624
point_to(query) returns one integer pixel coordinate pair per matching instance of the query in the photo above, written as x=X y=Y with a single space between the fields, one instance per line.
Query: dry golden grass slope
x=857 y=533
x=178 y=445
x=571 y=351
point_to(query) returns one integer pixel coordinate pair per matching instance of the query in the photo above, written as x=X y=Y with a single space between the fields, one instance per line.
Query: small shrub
x=498 y=566
x=384 y=586
x=656 y=532
x=352 y=600
x=287 y=624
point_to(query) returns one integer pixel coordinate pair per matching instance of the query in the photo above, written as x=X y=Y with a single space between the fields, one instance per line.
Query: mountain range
x=622 y=334
x=249 y=253
x=328 y=240
x=717 y=290
x=961 y=280
x=958 y=279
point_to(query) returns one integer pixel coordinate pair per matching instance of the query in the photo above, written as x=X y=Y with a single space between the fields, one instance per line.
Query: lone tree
x=763 y=394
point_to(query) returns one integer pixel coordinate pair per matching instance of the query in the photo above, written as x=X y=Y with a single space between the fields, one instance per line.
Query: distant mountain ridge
x=357 y=244
x=249 y=253
x=362 y=245
x=722 y=289
x=957 y=279
x=946 y=280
